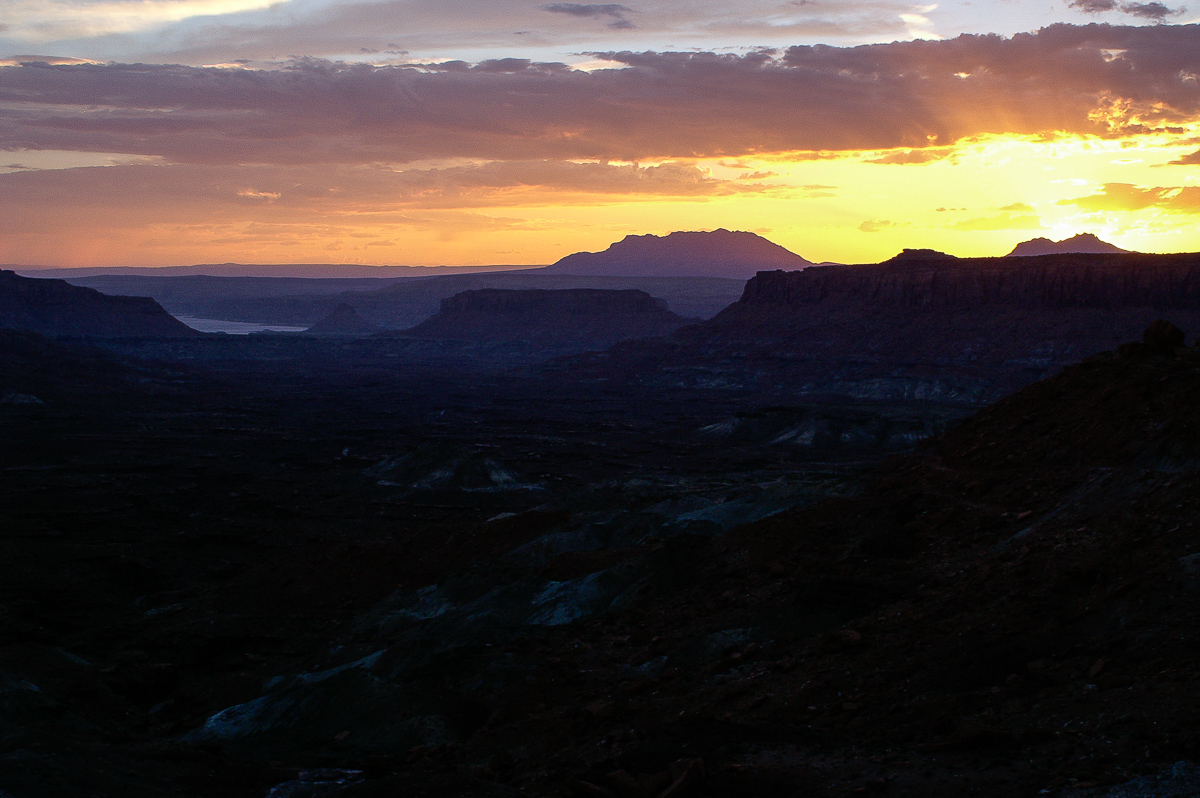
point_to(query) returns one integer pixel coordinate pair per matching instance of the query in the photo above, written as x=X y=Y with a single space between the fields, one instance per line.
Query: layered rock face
x=58 y=309
x=719 y=253
x=928 y=328
x=573 y=318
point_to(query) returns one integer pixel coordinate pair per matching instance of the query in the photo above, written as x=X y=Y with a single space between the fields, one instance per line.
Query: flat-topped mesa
x=551 y=317
x=717 y=253
x=1059 y=281
x=58 y=309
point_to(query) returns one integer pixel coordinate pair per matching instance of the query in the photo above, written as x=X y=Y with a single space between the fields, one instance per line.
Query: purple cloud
x=1153 y=10
x=1093 y=6
x=915 y=95
x=594 y=10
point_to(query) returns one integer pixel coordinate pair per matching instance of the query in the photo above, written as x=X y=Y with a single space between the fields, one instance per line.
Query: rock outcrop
x=569 y=319
x=343 y=321
x=57 y=309
x=1162 y=337
x=720 y=253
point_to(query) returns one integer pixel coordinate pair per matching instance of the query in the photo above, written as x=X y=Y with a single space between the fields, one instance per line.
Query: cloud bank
x=1094 y=80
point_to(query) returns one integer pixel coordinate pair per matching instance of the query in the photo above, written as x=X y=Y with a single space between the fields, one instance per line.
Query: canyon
x=922 y=528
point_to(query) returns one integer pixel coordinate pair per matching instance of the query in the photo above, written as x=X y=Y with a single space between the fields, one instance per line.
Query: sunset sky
x=167 y=132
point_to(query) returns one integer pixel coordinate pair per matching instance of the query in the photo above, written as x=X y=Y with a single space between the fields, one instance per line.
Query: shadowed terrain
x=292 y=565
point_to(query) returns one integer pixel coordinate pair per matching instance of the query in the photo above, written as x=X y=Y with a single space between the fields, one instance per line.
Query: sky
x=466 y=132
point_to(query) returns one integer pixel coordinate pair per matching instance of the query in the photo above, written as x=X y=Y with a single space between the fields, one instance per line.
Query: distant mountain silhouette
x=58 y=309
x=309 y=271
x=720 y=253
x=578 y=318
x=343 y=321
x=1085 y=243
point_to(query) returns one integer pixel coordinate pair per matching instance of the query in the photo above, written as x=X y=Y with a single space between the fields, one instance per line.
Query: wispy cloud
x=48 y=20
x=1003 y=221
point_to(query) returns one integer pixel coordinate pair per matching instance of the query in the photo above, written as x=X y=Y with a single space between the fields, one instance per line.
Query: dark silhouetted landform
x=299 y=560
x=1084 y=243
x=344 y=320
x=907 y=255
x=719 y=253
x=188 y=293
x=1064 y=281
x=570 y=318
x=395 y=303
x=57 y=308
x=308 y=271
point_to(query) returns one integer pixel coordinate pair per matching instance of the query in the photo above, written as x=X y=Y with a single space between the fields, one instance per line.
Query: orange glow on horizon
x=977 y=198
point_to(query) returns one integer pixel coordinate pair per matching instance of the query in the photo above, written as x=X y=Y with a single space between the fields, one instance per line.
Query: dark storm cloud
x=1094 y=79
x=613 y=11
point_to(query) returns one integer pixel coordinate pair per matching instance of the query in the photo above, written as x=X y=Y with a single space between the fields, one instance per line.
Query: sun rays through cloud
x=933 y=137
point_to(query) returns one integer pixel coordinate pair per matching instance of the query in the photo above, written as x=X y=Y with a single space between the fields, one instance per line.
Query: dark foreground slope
x=56 y=308
x=1008 y=613
x=916 y=327
x=568 y=319
x=466 y=588
x=35 y=370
